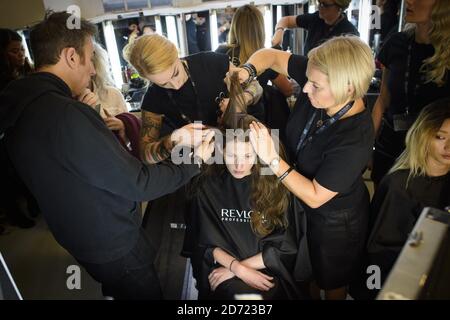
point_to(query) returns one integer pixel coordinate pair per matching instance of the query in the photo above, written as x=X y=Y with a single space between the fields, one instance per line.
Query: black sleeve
x=297 y=68
x=305 y=20
x=344 y=160
x=271 y=74
x=155 y=100
x=91 y=152
x=388 y=49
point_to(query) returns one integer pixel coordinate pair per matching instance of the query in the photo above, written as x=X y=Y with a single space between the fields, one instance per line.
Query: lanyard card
x=402 y=122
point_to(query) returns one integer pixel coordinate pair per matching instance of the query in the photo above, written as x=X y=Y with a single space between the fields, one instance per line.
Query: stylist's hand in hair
x=243 y=76
x=262 y=142
x=191 y=135
x=88 y=97
x=206 y=148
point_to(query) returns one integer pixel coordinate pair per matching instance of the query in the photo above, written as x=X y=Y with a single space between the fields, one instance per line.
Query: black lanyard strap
x=303 y=141
x=197 y=99
x=408 y=78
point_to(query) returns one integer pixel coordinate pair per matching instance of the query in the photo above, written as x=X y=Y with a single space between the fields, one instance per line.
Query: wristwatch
x=274 y=163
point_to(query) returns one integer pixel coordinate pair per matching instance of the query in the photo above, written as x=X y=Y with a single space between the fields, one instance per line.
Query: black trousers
x=132 y=277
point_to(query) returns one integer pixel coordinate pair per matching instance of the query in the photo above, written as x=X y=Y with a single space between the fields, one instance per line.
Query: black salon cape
x=395 y=210
x=283 y=250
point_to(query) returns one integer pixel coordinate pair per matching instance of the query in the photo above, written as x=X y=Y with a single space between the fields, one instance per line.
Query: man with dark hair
x=86 y=184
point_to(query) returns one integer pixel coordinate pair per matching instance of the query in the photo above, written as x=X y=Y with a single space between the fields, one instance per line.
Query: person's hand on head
x=262 y=142
x=88 y=97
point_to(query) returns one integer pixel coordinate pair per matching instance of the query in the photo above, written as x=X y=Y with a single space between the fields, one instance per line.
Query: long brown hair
x=247 y=31
x=269 y=198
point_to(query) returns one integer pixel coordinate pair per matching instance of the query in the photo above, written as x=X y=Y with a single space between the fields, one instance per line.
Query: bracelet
x=284 y=175
x=253 y=72
x=279 y=28
x=231 y=263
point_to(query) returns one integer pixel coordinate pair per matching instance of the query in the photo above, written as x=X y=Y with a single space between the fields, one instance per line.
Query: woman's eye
x=440 y=137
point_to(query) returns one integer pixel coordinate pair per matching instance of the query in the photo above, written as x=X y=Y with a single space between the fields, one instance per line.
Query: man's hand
x=191 y=135
x=206 y=148
x=88 y=97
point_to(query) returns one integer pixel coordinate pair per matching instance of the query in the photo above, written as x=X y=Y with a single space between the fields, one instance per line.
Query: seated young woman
x=251 y=228
x=419 y=178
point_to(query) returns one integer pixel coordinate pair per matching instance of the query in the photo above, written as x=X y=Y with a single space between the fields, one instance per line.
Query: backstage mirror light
x=111 y=46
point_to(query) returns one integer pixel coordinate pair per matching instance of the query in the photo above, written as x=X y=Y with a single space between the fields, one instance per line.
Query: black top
x=86 y=184
x=208 y=71
x=336 y=157
x=319 y=31
x=223 y=207
x=393 y=56
x=395 y=209
x=233 y=54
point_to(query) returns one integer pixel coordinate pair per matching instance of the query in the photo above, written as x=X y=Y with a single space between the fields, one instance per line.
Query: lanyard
x=303 y=141
x=408 y=79
x=194 y=88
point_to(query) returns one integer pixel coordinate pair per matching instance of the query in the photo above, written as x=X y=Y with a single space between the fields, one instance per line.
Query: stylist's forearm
x=276 y=60
x=263 y=59
x=300 y=186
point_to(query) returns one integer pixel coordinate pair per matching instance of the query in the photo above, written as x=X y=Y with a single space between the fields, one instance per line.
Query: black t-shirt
x=208 y=70
x=233 y=54
x=319 y=31
x=393 y=56
x=336 y=157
